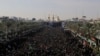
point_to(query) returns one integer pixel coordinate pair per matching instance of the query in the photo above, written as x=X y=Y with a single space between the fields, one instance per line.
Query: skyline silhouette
x=66 y=9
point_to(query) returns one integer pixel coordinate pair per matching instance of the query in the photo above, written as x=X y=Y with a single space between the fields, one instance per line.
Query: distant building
x=0 y=21
x=94 y=21
x=33 y=19
x=98 y=34
x=75 y=19
x=97 y=21
x=63 y=24
x=83 y=20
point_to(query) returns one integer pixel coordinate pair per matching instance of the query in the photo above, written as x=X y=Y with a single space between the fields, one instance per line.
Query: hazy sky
x=42 y=8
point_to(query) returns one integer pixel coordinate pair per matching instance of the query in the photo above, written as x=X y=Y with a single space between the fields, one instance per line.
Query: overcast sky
x=42 y=8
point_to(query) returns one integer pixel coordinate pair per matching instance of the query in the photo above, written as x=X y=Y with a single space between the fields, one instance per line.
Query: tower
x=58 y=19
x=53 y=18
x=49 y=18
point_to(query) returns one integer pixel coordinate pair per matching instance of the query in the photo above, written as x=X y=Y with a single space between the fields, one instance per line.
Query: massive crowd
x=51 y=42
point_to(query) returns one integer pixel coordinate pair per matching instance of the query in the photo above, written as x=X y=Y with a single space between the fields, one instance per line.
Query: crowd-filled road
x=50 y=42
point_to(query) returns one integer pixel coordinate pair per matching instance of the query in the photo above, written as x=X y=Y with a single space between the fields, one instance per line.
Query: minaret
x=53 y=18
x=49 y=18
x=58 y=19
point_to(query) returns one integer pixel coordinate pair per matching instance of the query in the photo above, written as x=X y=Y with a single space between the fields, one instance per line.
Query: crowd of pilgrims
x=49 y=42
